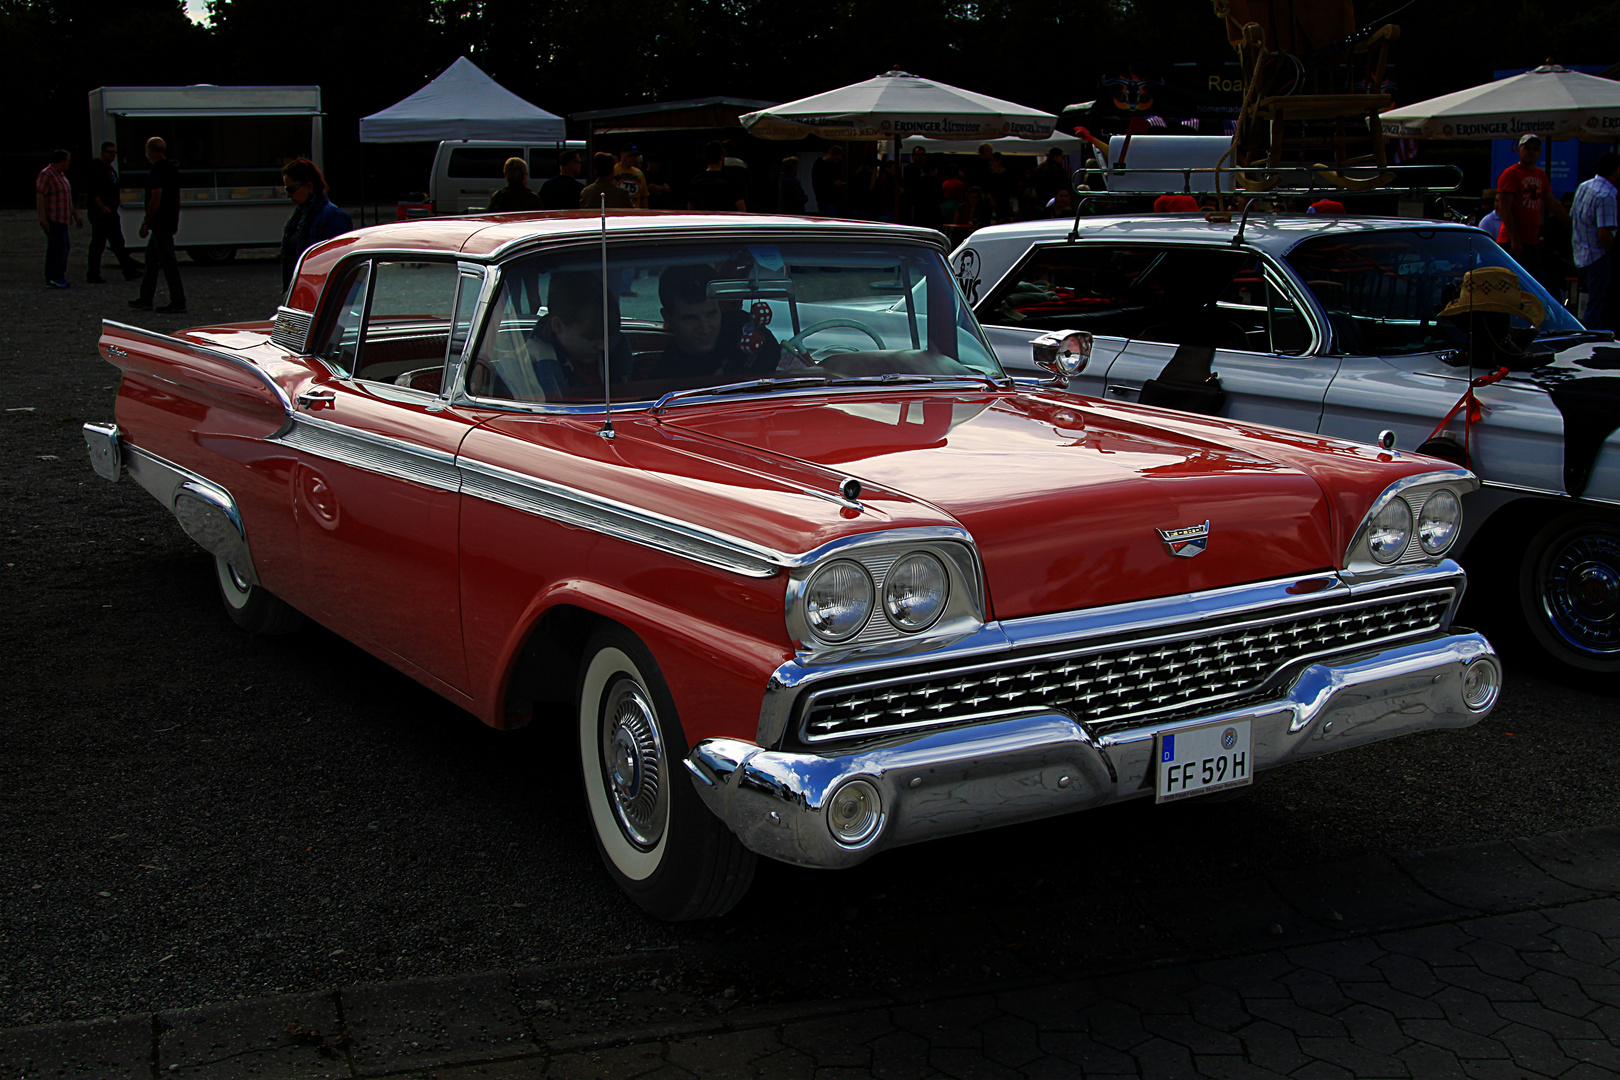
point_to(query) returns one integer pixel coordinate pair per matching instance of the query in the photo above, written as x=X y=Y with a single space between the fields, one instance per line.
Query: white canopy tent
x=1551 y=101
x=895 y=105
x=462 y=103
x=1012 y=144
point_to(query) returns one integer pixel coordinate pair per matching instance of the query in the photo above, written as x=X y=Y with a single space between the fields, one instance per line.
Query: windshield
x=689 y=316
x=1381 y=290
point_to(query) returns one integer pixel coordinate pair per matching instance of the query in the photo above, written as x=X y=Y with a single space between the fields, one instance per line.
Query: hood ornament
x=1187 y=541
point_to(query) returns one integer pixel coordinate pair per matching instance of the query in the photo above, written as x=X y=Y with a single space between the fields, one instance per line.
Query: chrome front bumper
x=963 y=779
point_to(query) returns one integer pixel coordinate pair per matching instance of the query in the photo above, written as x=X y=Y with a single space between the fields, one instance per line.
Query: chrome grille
x=291 y=330
x=1166 y=672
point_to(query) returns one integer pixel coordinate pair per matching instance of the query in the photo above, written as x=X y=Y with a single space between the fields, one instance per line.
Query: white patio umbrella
x=896 y=105
x=1551 y=101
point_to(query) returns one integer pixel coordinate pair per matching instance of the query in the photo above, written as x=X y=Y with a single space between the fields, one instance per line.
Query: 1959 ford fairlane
x=753 y=497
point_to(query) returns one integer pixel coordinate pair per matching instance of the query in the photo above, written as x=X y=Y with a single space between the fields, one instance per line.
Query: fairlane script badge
x=1187 y=541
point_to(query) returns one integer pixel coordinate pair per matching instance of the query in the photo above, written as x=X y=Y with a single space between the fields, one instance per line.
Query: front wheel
x=1569 y=590
x=253 y=607
x=660 y=844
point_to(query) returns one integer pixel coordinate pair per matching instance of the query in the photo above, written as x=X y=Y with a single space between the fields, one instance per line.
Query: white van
x=466 y=172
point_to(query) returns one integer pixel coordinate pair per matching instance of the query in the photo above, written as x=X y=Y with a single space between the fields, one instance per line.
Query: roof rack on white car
x=1415 y=180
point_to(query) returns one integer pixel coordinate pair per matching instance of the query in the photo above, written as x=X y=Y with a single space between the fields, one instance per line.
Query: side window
x=1073 y=287
x=480 y=162
x=342 y=346
x=409 y=323
x=1253 y=303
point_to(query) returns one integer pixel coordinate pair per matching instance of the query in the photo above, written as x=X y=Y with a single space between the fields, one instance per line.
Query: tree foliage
x=572 y=55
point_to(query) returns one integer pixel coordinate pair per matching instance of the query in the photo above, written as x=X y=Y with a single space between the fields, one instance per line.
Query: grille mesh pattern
x=1112 y=682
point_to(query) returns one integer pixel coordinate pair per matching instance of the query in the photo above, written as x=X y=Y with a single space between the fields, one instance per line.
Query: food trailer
x=230 y=143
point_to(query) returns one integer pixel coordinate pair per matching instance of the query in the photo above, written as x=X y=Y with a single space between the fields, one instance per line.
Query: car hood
x=1063 y=496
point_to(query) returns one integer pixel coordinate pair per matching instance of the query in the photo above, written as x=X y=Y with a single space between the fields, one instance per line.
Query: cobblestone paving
x=1495 y=961
x=1533 y=994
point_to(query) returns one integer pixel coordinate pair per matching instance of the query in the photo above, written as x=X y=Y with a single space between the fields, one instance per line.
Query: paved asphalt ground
x=192 y=817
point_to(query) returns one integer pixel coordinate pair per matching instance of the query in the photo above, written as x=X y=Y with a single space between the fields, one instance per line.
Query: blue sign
x=1169 y=753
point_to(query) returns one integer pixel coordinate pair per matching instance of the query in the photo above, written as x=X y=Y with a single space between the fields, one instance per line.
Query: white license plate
x=1196 y=761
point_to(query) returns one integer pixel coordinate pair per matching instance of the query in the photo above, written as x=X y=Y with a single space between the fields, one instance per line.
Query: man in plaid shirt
x=53 y=198
x=1594 y=215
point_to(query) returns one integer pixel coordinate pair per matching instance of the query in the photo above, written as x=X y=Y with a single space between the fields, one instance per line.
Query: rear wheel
x=211 y=256
x=660 y=844
x=1569 y=590
x=253 y=607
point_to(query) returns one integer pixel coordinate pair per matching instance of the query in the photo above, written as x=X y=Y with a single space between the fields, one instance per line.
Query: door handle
x=1127 y=393
x=314 y=399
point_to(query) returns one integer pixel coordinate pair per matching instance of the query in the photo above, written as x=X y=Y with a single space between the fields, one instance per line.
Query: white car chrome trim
x=372 y=452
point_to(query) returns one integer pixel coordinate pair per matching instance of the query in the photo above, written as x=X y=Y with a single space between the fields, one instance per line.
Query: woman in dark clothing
x=516 y=194
x=314 y=217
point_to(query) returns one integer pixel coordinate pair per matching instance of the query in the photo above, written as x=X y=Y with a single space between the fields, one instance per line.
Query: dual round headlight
x=1390 y=531
x=839 y=597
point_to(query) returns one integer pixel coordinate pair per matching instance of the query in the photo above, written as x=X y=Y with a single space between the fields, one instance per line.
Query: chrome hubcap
x=237 y=579
x=1581 y=591
x=633 y=763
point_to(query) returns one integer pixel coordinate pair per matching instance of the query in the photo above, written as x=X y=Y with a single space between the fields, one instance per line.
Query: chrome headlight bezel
x=963 y=610
x=1412 y=493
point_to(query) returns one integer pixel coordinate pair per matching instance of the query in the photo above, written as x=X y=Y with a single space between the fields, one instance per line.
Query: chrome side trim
x=1042 y=763
x=1074 y=628
x=373 y=453
x=222 y=355
x=573 y=507
x=206 y=511
x=291 y=330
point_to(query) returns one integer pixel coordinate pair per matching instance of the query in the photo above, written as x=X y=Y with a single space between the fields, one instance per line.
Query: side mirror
x=1064 y=353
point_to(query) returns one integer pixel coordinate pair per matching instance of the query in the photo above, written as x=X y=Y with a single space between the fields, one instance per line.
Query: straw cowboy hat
x=1495 y=288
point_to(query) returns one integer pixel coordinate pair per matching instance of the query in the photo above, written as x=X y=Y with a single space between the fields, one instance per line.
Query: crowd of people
x=931 y=190
x=314 y=218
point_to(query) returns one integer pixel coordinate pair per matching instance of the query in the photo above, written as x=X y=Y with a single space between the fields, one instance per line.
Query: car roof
x=1273 y=233
x=490 y=236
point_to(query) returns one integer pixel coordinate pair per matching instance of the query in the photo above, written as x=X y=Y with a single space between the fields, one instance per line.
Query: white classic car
x=1331 y=325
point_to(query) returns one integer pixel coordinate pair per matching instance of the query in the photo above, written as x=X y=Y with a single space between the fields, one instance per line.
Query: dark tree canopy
x=571 y=55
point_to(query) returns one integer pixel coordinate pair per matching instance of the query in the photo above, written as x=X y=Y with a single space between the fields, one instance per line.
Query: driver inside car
x=706 y=338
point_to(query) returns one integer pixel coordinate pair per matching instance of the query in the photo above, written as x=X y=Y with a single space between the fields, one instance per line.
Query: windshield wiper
x=736 y=388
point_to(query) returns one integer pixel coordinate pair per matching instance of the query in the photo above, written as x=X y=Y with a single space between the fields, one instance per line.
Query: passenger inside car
x=562 y=351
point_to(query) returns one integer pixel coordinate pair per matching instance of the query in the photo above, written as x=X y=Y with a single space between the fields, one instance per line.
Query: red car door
x=375 y=488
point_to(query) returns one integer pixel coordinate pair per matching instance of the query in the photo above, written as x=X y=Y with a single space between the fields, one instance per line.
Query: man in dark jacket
x=158 y=226
x=105 y=228
x=314 y=218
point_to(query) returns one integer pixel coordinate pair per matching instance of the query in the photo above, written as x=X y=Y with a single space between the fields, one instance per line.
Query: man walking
x=105 y=228
x=53 y=199
x=158 y=227
x=1522 y=193
x=1594 y=213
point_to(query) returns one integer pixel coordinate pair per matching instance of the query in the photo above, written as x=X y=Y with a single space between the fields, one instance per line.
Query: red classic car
x=753 y=497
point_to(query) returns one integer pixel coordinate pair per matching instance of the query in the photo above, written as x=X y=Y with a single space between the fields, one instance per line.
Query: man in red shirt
x=53 y=200
x=1522 y=192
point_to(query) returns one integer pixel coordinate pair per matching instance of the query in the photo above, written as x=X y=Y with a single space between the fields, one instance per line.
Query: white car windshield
x=1382 y=291
x=687 y=316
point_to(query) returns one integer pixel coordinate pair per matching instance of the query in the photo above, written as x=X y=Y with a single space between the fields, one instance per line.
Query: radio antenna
x=606 y=430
